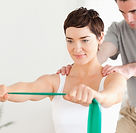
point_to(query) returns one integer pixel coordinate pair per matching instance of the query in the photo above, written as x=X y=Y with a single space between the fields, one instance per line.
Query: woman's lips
x=80 y=55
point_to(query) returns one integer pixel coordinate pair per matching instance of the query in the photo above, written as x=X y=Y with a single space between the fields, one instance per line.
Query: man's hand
x=126 y=70
x=65 y=70
x=3 y=93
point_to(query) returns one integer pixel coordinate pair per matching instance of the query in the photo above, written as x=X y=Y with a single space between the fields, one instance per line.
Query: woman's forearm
x=19 y=87
x=109 y=98
x=114 y=88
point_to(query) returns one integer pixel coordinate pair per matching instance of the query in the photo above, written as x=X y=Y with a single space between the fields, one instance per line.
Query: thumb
x=67 y=97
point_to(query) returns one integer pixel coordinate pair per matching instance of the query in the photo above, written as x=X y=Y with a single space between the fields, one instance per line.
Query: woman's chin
x=81 y=62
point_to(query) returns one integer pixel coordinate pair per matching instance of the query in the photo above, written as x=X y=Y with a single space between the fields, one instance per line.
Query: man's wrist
x=132 y=68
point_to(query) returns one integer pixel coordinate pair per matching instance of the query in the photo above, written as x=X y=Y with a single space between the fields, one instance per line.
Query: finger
x=63 y=70
x=90 y=98
x=58 y=72
x=2 y=86
x=79 y=95
x=112 y=69
x=85 y=102
x=3 y=91
x=105 y=68
x=73 y=93
x=67 y=97
x=108 y=70
x=2 y=99
x=6 y=96
x=84 y=96
x=68 y=68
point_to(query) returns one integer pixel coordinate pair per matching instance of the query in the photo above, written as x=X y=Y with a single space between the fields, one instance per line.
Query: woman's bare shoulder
x=115 y=79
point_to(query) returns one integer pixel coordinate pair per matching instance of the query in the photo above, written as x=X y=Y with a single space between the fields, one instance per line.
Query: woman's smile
x=79 y=56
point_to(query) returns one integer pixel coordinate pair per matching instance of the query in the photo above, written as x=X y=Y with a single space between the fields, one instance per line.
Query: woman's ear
x=101 y=38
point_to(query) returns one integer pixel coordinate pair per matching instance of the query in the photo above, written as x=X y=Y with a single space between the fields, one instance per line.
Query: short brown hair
x=82 y=17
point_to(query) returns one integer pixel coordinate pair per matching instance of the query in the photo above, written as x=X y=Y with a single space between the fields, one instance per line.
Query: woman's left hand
x=81 y=94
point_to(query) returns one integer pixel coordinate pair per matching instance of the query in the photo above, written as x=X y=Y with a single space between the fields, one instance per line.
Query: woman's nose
x=78 y=47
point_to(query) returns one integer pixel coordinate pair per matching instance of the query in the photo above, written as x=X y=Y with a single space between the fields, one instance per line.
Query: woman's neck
x=91 y=68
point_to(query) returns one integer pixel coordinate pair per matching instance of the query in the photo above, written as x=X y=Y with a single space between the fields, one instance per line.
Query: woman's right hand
x=3 y=93
x=82 y=94
x=65 y=70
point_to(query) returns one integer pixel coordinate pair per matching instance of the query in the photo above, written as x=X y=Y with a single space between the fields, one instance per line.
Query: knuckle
x=72 y=94
x=2 y=86
x=81 y=85
x=78 y=99
x=63 y=67
x=68 y=65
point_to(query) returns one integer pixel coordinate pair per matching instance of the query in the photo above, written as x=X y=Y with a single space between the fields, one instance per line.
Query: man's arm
x=127 y=70
x=106 y=50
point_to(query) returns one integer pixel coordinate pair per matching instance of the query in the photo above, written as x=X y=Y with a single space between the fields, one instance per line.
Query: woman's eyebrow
x=79 y=38
x=69 y=38
x=84 y=37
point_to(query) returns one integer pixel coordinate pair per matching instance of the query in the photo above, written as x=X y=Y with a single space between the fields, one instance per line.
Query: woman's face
x=82 y=44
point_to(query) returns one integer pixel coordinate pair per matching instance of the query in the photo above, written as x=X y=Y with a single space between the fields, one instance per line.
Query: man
x=121 y=39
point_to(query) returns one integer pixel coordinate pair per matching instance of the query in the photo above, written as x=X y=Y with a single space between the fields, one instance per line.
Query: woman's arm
x=114 y=87
x=42 y=84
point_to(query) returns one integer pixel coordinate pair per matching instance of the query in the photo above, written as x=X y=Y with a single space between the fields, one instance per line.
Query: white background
x=32 y=43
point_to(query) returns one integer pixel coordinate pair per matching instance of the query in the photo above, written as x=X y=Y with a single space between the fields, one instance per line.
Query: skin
x=82 y=46
x=128 y=10
x=107 y=49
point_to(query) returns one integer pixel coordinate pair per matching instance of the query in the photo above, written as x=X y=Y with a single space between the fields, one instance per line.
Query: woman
x=84 y=33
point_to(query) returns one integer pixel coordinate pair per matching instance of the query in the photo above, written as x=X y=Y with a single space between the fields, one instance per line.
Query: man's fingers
x=63 y=70
x=107 y=70
x=58 y=72
x=68 y=68
x=111 y=70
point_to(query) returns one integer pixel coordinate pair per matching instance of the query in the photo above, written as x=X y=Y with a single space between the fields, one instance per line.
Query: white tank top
x=70 y=117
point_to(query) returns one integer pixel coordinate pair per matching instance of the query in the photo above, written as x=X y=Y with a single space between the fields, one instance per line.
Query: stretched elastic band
x=94 y=118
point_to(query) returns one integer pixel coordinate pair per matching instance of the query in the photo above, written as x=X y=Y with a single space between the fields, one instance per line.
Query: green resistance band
x=94 y=114
x=36 y=93
x=94 y=118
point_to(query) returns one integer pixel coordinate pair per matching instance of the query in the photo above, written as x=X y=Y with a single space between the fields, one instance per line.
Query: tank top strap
x=101 y=86
x=62 y=83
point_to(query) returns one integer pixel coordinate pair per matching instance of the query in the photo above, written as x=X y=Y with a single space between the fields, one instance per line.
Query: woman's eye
x=69 y=41
x=85 y=40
